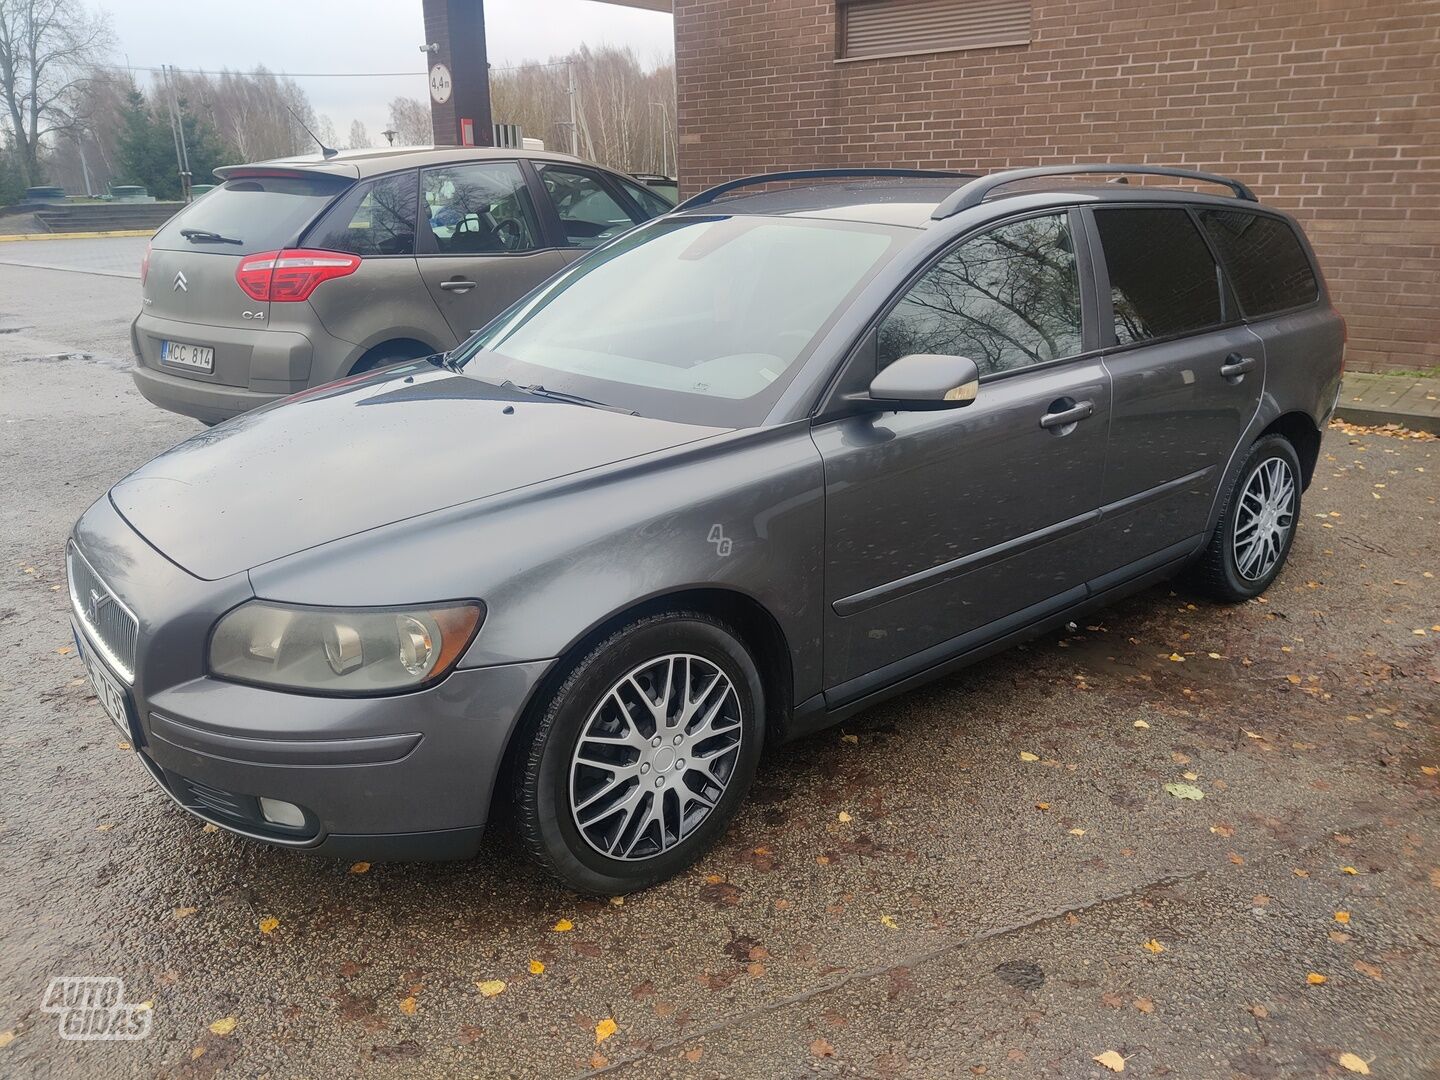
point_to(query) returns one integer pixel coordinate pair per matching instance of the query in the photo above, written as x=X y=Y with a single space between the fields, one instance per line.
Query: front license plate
x=110 y=693
x=196 y=357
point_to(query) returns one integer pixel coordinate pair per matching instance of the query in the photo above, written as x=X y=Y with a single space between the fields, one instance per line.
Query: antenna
x=325 y=151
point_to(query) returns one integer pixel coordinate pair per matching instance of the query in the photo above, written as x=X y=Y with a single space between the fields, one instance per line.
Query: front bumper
x=403 y=777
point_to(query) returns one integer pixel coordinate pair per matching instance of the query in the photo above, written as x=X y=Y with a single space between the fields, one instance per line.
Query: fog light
x=282 y=813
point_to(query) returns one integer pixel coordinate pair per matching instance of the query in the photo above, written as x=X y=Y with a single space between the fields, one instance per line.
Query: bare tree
x=47 y=49
x=410 y=119
x=359 y=137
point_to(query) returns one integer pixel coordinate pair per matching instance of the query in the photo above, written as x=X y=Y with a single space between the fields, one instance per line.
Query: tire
x=1233 y=573
x=595 y=829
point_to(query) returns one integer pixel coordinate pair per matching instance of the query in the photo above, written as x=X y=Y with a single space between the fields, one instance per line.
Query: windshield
x=701 y=320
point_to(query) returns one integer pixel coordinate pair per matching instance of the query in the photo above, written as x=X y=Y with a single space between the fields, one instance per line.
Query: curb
x=78 y=235
x=1380 y=417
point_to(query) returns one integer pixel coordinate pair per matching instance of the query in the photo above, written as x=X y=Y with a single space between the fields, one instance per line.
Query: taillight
x=145 y=264
x=291 y=275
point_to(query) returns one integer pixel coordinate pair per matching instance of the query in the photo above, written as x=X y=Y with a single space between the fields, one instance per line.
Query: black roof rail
x=709 y=195
x=975 y=192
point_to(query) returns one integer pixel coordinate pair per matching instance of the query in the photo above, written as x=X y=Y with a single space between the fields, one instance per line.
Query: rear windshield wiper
x=574 y=399
x=205 y=236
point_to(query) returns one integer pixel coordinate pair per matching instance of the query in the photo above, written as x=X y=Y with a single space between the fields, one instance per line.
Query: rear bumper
x=207 y=402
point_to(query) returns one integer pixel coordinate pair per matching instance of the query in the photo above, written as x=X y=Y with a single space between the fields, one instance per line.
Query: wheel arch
x=759 y=630
x=1299 y=430
x=401 y=348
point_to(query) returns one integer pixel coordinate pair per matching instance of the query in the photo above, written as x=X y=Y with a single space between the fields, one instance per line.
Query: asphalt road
x=911 y=896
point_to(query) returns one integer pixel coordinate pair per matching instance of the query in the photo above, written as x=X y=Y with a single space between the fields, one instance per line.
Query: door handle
x=457 y=286
x=1081 y=410
x=1236 y=366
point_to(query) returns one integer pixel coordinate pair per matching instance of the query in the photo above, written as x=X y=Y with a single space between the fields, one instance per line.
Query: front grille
x=110 y=625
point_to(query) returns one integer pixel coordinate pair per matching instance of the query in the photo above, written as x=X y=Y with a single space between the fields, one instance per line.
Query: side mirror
x=927 y=381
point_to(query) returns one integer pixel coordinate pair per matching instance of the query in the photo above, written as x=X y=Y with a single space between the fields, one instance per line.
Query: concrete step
x=99 y=217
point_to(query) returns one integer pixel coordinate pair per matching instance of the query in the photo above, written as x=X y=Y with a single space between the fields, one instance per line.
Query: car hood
x=363 y=453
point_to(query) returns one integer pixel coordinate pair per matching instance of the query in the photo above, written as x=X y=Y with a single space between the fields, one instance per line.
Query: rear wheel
x=642 y=755
x=1256 y=527
x=395 y=352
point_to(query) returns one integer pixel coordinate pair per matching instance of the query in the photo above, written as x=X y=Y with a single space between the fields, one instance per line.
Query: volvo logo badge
x=181 y=285
x=96 y=602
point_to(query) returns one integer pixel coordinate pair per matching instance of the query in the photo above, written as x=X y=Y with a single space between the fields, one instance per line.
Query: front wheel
x=1256 y=527
x=643 y=754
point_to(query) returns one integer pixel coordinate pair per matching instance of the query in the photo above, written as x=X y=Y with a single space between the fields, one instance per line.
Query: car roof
x=911 y=202
x=370 y=161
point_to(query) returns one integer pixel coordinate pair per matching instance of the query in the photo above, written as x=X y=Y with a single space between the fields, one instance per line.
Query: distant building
x=1328 y=108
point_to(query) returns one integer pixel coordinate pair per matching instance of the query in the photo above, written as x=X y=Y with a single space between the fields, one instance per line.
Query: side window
x=482 y=208
x=1006 y=299
x=374 y=218
x=587 y=212
x=1163 y=279
x=653 y=204
x=1267 y=266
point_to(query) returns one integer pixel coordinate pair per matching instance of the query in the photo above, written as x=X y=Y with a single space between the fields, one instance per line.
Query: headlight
x=342 y=650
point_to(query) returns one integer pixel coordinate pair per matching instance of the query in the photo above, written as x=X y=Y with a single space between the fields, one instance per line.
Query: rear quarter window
x=261 y=212
x=1163 y=279
x=1267 y=265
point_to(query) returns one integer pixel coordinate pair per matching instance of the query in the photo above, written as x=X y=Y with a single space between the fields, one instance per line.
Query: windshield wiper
x=574 y=399
x=205 y=236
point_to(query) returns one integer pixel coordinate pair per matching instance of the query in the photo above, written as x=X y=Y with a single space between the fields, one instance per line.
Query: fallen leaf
x=210 y=826
x=1348 y=870
x=197 y=1053
x=1191 y=776
x=6 y=1038
x=269 y=925
x=1025 y=755
x=1370 y=971
x=604 y=1029
x=617 y=901
x=843 y=817
x=1111 y=1060
x=563 y=926
x=1430 y=770
x=1184 y=791
x=1355 y=1063
x=1338 y=936
x=598 y=1060
x=1342 y=916
x=408 y=1006
x=184 y=912
x=360 y=868
x=1145 y=1005
x=1154 y=946
x=1251 y=734
x=1223 y=830
x=1214 y=656
x=1236 y=858
x=1300 y=873
x=1077 y=832
x=822 y=1049
x=223 y=1027
x=491 y=987
x=1315 y=979
x=1177 y=658
x=1042 y=806
x=694 y=1055
x=889 y=920
x=755 y=970
x=537 y=968
x=1259 y=1012
x=1141 y=724
x=851 y=739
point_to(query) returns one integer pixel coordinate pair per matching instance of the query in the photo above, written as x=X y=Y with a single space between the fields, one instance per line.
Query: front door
x=944 y=526
x=1187 y=378
x=481 y=247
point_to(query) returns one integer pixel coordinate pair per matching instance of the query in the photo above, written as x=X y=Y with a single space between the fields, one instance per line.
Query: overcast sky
x=364 y=35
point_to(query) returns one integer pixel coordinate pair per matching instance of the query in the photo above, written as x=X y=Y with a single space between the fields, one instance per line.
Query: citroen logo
x=95 y=603
x=181 y=285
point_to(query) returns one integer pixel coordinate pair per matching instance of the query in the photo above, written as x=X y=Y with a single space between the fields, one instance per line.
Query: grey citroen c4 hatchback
x=732 y=477
x=294 y=273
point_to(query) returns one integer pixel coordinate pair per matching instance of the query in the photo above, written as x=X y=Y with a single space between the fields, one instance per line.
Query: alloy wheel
x=655 y=756
x=1264 y=518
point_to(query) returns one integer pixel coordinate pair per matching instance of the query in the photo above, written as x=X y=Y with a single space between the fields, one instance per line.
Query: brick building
x=1328 y=108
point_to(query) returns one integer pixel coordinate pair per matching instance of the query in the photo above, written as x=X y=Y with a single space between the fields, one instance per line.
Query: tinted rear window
x=1267 y=266
x=1163 y=279
x=263 y=213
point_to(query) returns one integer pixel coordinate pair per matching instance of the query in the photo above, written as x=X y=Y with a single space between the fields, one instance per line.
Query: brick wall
x=1328 y=108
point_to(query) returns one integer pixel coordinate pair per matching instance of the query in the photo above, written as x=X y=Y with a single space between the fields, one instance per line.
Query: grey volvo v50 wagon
x=297 y=272
x=730 y=478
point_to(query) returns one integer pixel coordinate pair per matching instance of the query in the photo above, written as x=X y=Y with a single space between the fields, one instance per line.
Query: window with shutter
x=876 y=28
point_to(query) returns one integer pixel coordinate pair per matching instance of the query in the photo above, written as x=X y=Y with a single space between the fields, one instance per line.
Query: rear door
x=941 y=526
x=189 y=291
x=481 y=245
x=1187 y=377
